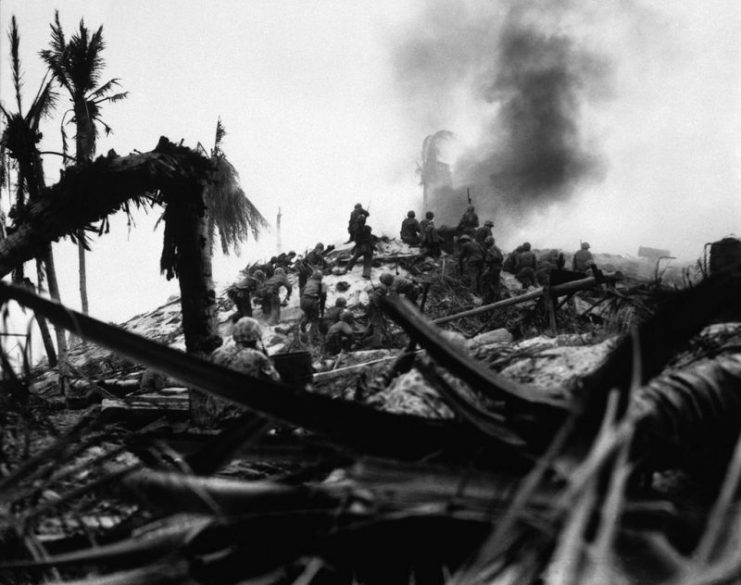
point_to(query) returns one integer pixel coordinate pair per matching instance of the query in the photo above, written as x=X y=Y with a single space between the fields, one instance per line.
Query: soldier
x=398 y=285
x=583 y=259
x=429 y=216
x=525 y=265
x=430 y=238
x=469 y=222
x=314 y=260
x=244 y=357
x=271 y=302
x=313 y=301
x=364 y=246
x=410 y=230
x=484 y=232
x=491 y=278
x=377 y=330
x=472 y=258
x=341 y=334
x=357 y=213
x=240 y=293
x=332 y=315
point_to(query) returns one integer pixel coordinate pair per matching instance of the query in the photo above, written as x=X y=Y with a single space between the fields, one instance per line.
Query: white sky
x=306 y=91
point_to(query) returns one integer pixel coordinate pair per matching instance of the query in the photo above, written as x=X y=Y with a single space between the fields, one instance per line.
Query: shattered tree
x=171 y=175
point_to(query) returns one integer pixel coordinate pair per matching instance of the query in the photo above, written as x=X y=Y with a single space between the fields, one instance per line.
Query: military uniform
x=271 y=298
x=357 y=217
x=582 y=259
x=410 y=231
x=405 y=287
x=339 y=338
x=491 y=278
x=482 y=233
x=364 y=246
x=431 y=240
x=312 y=304
x=472 y=257
x=525 y=265
x=469 y=222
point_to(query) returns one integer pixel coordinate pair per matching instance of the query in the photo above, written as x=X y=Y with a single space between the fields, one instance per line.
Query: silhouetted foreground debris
x=630 y=475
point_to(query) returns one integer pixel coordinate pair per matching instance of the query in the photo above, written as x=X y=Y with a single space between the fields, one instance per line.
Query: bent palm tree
x=20 y=140
x=229 y=210
x=77 y=66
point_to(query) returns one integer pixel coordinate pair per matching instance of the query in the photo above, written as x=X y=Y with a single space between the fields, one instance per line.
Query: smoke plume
x=518 y=79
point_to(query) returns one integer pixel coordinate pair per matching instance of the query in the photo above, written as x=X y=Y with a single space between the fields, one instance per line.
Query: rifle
x=468 y=193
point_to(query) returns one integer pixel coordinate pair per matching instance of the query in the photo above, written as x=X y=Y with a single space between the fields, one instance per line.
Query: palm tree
x=20 y=140
x=77 y=65
x=431 y=170
x=228 y=209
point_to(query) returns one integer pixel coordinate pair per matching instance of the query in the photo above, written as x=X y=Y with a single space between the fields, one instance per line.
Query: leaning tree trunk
x=51 y=354
x=187 y=254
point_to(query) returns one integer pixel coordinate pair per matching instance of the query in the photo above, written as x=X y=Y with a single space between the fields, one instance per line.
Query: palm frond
x=15 y=41
x=103 y=90
x=230 y=211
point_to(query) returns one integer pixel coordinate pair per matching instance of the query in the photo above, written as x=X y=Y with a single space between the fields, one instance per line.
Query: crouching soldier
x=271 y=302
x=240 y=293
x=340 y=335
x=401 y=286
x=244 y=356
x=332 y=315
x=411 y=230
x=312 y=303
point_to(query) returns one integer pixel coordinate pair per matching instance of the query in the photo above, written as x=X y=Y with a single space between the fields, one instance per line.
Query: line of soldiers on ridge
x=480 y=263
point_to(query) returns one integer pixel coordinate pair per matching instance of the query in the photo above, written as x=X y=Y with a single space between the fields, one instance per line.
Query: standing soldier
x=472 y=258
x=469 y=222
x=355 y=216
x=364 y=246
x=410 y=230
x=484 y=232
x=491 y=279
x=525 y=265
x=430 y=237
x=271 y=296
x=313 y=300
x=314 y=260
x=582 y=258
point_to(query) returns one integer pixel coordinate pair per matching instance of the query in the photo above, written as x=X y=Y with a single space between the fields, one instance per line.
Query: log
x=555 y=291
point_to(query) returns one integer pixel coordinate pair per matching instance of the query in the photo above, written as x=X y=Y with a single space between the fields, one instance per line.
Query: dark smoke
x=534 y=154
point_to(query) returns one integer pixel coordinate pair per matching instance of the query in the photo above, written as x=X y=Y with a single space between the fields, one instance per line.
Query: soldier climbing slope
x=398 y=285
x=313 y=301
x=484 y=232
x=240 y=293
x=365 y=244
x=341 y=334
x=270 y=293
x=525 y=265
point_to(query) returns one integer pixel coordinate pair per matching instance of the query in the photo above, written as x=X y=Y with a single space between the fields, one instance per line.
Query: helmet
x=464 y=238
x=259 y=274
x=387 y=279
x=429 y=215
x=317 y=274
x=489 y=223
x=280 y=272
x=489 y=241
x=358 y=206
x=319 y=246
x=247 y=331
x=347 y=316
x=585 y=245
x=340 y=302
x=526 y=246
x=470 y=208
x=410 y=214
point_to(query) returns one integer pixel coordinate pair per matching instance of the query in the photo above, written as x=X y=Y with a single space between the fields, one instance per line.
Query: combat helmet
x=387 y=279
x=247 y=331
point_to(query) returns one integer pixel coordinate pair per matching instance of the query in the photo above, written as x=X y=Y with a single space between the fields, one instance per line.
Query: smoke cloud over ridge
x=517 y=79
